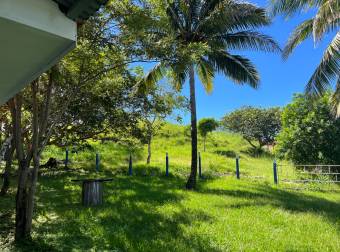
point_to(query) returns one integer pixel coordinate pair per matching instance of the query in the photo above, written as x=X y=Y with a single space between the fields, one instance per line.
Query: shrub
x=310 y=133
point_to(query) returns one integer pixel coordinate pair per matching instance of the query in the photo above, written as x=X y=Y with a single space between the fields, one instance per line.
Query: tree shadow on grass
x=257 y=153
x=264 y=194
x=7 y=216
x=133 y=217
x=226 y=153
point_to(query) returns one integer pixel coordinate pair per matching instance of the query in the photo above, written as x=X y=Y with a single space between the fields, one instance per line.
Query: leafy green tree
x=156 y=105
x=89 y=90
x=325 y=21
x=205 y=126
x=200 y=36
x=310 y=134
x=187 y=131
x=254 y=124
x=105 y=108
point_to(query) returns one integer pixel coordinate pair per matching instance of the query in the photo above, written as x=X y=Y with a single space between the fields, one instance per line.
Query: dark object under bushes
x=52 y=163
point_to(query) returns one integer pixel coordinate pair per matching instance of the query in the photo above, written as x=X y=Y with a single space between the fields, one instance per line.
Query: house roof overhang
x=79 y=10
x=35 y=35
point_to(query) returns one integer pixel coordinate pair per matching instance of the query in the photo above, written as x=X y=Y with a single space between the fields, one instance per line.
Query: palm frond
x=178 y=75
x=290 y=7
x=207 y=7
x=205 y=72
x=176 y=20
x=301 y=33
x=328 y=69
x=194 y=10
x=233 y=16
x=336 y=99
x=250 y=40
x=248 y=16
x=327 y=19
x=237 y=68
x=152 y=77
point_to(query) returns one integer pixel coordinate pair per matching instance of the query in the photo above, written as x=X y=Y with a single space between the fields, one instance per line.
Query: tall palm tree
x=204 y=33
x=326 y=20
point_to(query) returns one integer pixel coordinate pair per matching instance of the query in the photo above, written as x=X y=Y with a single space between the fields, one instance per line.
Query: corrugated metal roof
x=80 y=10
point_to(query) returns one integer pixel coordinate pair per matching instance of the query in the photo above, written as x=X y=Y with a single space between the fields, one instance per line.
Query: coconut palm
x=326 y=20
x=204 y=33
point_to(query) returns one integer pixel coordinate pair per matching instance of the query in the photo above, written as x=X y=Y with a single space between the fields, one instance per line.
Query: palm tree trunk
x=191 y=183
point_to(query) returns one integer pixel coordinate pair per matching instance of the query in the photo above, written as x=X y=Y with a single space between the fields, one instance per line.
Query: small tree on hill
x=156 y=106
x=205 y=126
x=254 y=124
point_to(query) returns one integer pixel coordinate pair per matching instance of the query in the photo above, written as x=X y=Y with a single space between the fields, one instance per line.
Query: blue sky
x=279 y=79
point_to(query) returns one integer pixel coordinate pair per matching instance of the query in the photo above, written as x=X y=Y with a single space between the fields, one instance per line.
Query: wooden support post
x=199 y=165
x=237 y=167
x=167 y=165
x=130 y=165
x=66 y=158
x=275 y=172
x=97 y=162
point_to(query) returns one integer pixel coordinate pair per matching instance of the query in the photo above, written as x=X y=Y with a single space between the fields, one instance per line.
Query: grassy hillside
x=218 y=159
x=149 y=212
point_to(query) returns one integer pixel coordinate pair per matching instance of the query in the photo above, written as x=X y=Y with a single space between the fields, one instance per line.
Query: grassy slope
x=154 y=213
x=219 y=157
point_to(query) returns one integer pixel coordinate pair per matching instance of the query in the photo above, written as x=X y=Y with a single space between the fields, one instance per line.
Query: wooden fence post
x=167 y=165
x=130 y=165
x=66 y=158
x=199 y=165
x=275 y=172
x=97 y=162
x=237 y=167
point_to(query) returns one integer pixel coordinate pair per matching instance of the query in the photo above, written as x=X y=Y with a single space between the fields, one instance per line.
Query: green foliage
x=187 y=131
x=5 y=123
x=254 y=124
x=310 y=134
x=97 y=97
x=157 y=105
x=207 y=125
x=199 y=34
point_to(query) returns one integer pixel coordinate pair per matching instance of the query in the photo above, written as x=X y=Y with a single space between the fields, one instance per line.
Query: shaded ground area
x=150 y=212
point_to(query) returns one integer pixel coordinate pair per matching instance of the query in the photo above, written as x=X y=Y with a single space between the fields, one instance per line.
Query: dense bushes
x=310 y=133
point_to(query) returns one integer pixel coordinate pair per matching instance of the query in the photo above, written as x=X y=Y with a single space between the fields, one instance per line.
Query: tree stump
x=92 y=194
x=92 y=191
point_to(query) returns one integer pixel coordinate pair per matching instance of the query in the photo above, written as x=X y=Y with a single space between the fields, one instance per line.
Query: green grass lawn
x=151 y=212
